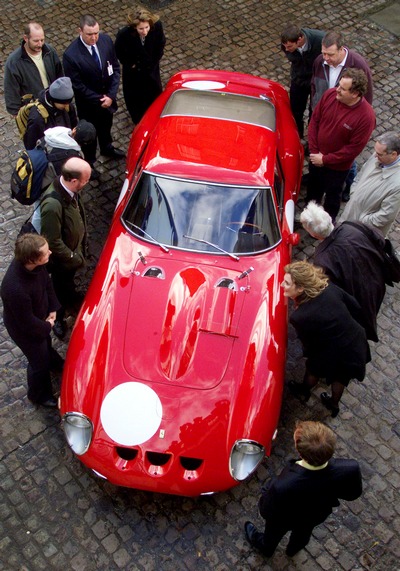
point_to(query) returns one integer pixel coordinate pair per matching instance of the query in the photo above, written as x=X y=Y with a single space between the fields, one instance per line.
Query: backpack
x=27 y=176
x=23 y=115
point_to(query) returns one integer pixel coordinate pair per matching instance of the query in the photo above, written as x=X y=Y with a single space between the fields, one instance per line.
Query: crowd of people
x=335 y=306
x=66 y=108
x=70 y=106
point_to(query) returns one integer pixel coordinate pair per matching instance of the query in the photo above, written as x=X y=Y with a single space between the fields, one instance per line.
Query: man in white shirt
x=329 y=66
x=327 y=72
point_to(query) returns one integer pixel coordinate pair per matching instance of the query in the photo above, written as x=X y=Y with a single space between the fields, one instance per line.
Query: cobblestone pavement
x=54 y=514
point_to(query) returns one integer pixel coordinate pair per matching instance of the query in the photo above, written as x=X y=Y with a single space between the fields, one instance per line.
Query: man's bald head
x=75 y=173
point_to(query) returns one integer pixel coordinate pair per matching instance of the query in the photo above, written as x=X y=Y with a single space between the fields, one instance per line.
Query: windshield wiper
x=213 y=245
x=148 y=235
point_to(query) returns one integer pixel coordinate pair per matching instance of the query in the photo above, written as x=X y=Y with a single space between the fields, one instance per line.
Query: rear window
x=219 y=105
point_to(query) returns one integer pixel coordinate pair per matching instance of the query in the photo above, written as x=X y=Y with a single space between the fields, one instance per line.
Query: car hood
x=186 y=334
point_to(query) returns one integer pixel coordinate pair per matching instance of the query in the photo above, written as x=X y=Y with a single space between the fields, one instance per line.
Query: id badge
x=110 y=68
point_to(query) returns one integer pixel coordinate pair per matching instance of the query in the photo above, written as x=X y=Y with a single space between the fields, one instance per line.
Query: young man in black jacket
x=304 y=493
x=301 y=46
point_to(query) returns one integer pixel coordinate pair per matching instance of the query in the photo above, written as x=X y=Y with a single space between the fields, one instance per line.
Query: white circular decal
x=203 y=85
x=131 y=413
x=289 y=211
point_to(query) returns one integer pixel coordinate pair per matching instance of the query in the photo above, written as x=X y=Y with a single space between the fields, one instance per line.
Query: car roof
x=214 y=136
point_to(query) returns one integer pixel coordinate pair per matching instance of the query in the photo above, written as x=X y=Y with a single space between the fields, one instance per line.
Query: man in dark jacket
x=304 y=493
x=29 y=69
x=30 y=306
x=301 y=46
x=93 y=67
x=328 y=68
x=351 y=260
x=57 y=101
x=63 y=223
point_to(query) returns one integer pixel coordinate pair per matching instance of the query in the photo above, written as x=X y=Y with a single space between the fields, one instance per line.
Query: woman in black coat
x=140 y=47
x=328 y=323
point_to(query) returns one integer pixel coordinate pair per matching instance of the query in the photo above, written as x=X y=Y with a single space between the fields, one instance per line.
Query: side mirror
x=293 y=239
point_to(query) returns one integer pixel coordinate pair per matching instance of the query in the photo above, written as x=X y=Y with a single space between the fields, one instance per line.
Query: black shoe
x=60 y=328
x=49 y=403
x=113 y=153
x=95 y=174
x=291 y=551
x=327 y=402
x=299 y=390
x=250 y=531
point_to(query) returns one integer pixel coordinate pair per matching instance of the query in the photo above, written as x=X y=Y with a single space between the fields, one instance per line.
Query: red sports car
x=174 y=374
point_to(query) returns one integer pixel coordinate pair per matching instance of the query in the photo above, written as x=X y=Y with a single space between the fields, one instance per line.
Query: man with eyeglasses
x=340 y=127
x=375 y=194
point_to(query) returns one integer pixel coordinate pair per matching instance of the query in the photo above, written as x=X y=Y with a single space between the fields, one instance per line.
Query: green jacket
x=63 y=223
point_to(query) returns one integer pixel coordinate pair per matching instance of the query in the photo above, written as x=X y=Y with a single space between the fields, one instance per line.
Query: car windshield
x=202 y=216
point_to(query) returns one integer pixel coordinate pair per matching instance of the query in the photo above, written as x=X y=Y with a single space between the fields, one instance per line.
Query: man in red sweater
x=340 y=127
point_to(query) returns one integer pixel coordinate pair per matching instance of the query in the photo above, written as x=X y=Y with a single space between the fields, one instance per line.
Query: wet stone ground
x=55 y=515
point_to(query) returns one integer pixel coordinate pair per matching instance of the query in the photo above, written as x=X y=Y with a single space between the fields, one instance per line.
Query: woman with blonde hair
x=139 y=47
x=328 y=322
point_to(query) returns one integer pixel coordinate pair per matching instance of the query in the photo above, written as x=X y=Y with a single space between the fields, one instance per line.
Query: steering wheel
x=257 y=229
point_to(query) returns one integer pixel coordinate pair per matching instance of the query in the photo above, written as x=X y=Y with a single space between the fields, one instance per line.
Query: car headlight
x=245 y=456
x=78 y=430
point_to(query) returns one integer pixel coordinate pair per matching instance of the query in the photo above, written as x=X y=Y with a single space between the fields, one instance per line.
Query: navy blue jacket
x=89 y=82
x=306 y=497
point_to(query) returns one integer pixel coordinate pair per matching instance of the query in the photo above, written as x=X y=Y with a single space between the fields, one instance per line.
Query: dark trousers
x=140 y=90
x=64 y=286
x=42 y=358
x=102 y=119
x=322 y=180
x=299 y=97
x=268 y=541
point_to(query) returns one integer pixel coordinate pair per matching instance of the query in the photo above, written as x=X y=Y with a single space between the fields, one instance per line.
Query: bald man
x=29 y=69
x=63 y=223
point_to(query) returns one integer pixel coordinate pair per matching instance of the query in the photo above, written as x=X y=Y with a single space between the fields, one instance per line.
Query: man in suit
x=93 y=67
x=63 y=222
x=305 y=492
